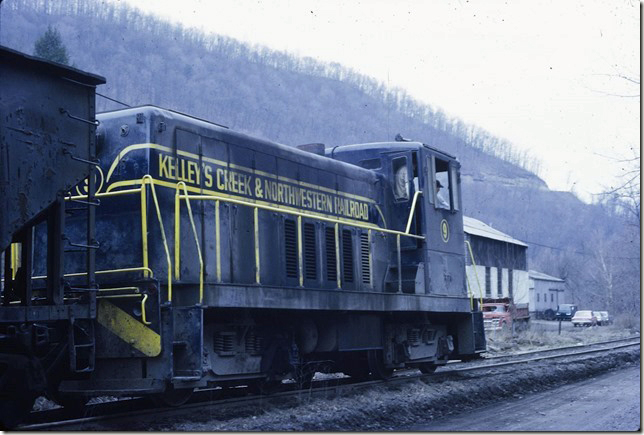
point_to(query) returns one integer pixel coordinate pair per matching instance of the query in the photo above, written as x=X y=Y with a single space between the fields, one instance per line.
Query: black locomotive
x=209 y=257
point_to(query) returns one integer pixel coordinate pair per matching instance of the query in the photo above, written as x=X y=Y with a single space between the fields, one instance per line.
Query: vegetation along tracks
x=117 y=414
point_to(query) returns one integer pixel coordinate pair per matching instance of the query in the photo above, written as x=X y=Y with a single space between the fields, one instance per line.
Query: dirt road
x=610 y=402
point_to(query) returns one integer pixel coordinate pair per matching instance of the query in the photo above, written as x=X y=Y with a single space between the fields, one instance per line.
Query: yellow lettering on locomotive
x=220 y=179
x=163 y=166
x=251 y=185
x=208 y=175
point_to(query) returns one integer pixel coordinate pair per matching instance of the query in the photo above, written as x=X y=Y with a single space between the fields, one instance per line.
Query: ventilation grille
x=364 y=259
x=413 y=337
x=310 y=260
x=253 y=343
x=290 y=248
x=331 y=265
x=225 y=343
x=429 y=335
x=347 y=256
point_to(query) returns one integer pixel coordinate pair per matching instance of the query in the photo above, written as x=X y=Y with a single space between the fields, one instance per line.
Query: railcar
x=217 y=258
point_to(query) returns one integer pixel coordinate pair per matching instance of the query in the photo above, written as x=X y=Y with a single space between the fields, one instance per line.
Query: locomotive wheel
x=427 y=368
x=377 y=365
x=172 y=397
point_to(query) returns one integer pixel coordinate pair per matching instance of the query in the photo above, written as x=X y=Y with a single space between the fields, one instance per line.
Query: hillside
x=254 y=90
x=299 y=100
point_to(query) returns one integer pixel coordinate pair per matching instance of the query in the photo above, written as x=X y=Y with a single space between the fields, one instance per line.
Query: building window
x=552 y=297
x=538 y=296
x=488 y=282
x=510 y=287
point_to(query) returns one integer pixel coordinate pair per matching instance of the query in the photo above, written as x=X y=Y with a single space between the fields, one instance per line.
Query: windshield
x=494 y=308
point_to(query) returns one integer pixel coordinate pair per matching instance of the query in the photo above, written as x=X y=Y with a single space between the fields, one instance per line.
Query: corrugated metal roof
x=533 y=274
x=477 y=228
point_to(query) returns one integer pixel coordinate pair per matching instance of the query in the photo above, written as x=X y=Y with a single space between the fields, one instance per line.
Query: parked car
x=598 y=316
x=584 y=318
x=565 y=311
x=606 y=319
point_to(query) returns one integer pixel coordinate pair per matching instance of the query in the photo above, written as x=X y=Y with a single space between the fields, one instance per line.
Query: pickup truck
x=502 y=313
x=565 y=311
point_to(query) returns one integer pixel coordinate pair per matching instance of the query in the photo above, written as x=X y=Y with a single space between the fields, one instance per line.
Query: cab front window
x=401 y=179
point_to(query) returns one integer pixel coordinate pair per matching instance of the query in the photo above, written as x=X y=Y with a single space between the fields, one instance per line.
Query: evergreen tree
x=50 y=46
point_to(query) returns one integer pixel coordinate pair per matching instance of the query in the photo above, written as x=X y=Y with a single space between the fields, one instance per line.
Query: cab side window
x=443 y=180
x=401 y=179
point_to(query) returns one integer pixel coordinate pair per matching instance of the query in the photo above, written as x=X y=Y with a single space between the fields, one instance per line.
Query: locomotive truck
x=160 y=253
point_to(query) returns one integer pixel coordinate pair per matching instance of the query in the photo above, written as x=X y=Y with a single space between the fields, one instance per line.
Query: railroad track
x=117 y=414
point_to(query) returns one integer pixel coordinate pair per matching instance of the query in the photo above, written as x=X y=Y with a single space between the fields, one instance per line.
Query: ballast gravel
x=388 y=407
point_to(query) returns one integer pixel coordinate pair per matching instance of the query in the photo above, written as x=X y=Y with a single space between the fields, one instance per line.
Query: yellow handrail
x=258 y=274
x=469 y=247
x=101 y=272
x=412 y=210
x=194 y=232
x=147 y=179
x=144 y=298
x=177 y=232
x=297 y=213
x=144 y=226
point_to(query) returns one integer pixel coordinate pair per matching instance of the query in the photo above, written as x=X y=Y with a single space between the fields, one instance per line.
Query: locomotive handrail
x=147 y=179
x=469 y=247
x=412 y=210
x=101 y=272
x=177 y=238
x=301 y=214
x=144 y=298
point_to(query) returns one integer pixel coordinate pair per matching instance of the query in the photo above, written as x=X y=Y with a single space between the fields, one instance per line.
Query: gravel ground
x=389 y=407
x=386 y=408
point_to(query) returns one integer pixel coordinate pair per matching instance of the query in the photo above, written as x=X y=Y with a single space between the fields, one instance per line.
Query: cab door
x=404 y=175
x=445 y=263
x=402 y=190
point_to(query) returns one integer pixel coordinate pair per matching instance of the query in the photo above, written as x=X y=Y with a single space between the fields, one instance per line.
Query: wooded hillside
x=295 y=100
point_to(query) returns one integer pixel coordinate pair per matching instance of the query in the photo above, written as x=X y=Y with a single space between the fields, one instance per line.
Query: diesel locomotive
x=174 y=253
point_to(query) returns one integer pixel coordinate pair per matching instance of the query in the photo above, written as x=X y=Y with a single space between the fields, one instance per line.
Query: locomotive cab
x=423 y=198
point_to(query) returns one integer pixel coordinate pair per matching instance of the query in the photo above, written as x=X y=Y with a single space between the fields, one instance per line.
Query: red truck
x=502 y=313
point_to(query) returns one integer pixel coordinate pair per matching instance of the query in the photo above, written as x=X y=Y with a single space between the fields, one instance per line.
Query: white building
x=546 y=292
x=499 y=268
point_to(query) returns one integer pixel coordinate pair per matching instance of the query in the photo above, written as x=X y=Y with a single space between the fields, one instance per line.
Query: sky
x=552 y=77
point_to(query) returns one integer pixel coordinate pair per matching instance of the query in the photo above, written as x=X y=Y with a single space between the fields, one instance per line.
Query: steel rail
x=539 y=358
x=342 y=387
x=555 y=349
